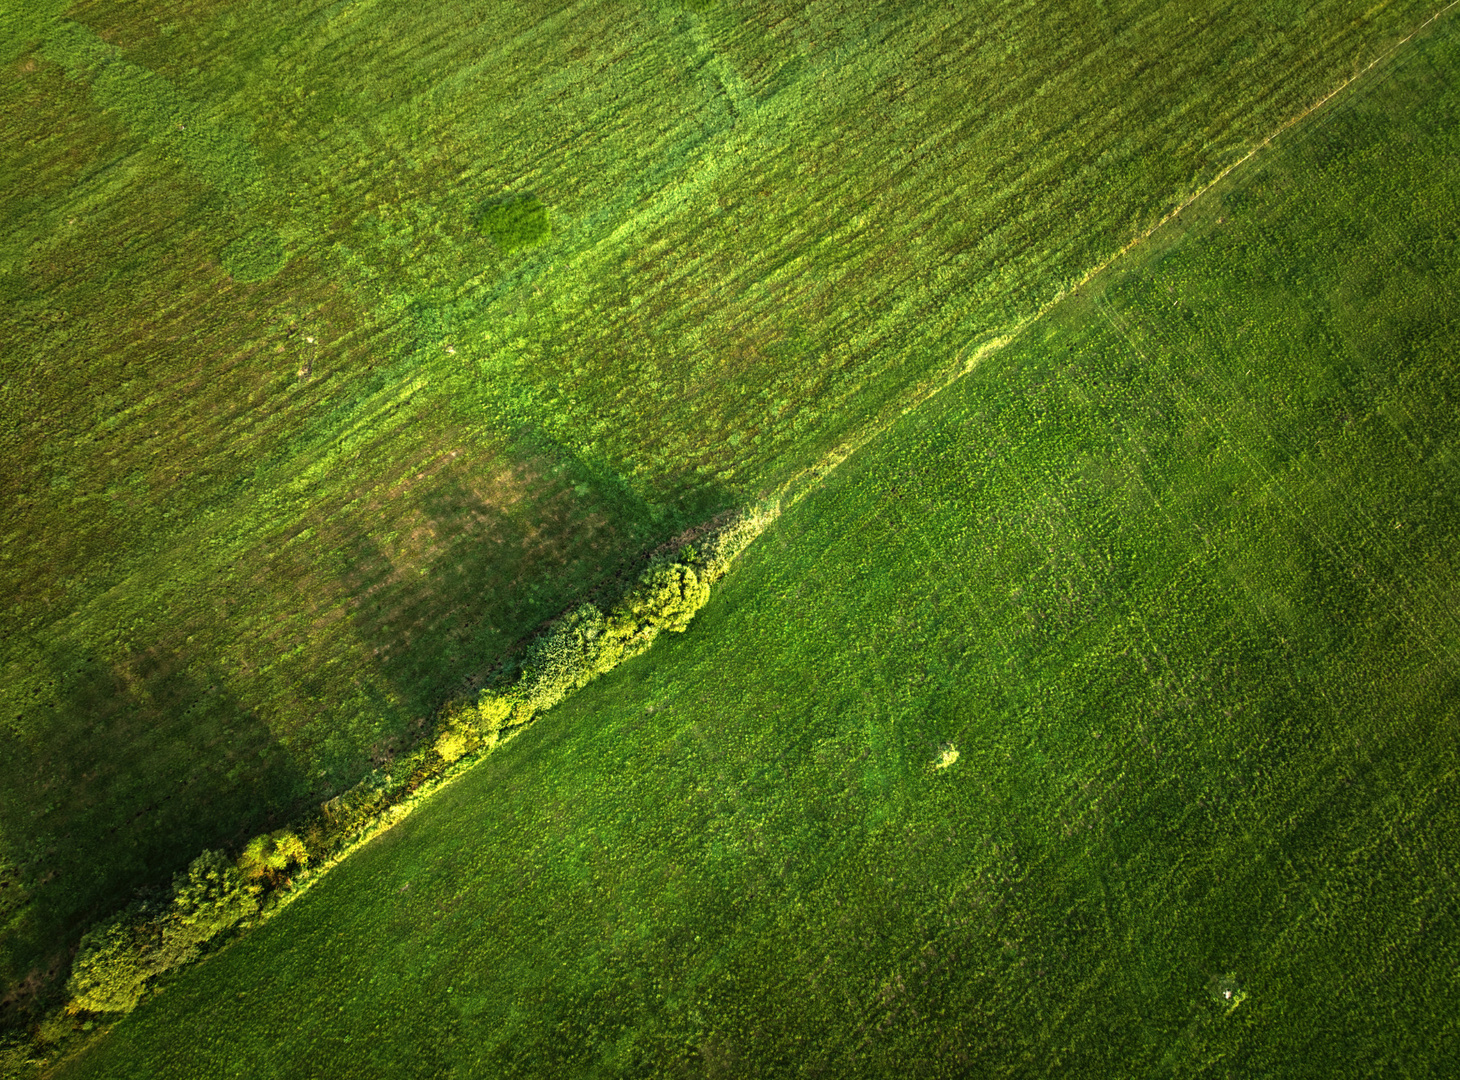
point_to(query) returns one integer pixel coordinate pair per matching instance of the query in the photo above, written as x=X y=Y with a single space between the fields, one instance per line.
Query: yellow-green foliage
x=493 y=709
x=564 y=658
x=269 y=857
x=213 y=895
x=117 y=958
x=112 y=965
x=452 y=742
x=349 y=809
x=722 y=547
x=586 y=643
x=665 y=598
x=208 y=898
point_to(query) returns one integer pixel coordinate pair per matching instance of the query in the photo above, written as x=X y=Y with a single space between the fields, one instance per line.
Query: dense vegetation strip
x=346 y=343
x=216 y=898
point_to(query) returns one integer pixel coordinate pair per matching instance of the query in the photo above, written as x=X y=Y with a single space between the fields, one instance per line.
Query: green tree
x=268 y=858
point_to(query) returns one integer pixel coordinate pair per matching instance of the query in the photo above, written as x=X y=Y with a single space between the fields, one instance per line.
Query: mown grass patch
x=1175 y=574
x=255 y=256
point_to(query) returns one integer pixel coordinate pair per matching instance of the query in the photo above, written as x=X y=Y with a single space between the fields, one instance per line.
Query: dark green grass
x=239 y=562
x=1175 y=573
x=515 y=222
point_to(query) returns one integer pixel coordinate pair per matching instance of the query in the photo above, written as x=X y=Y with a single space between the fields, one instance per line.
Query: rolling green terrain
x=1174 y=574
x=346 y=342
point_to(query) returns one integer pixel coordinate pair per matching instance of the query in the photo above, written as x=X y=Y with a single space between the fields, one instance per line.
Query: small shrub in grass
x=1226 y=990
x=515 y=223
x=254 y=256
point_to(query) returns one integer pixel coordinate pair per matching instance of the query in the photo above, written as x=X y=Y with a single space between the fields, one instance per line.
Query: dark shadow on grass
x=142 y=763
x=499 y=571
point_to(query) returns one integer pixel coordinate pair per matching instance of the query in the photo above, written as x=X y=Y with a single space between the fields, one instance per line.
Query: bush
x=493 y=711
x=665 y=598
x=117 y=958
x=56 y=1029
x=515 y=223
x=585 y=643
x=17 y=1055
x=721 y=548
x=114 y=962
x=268 y=858
x=460 y=730
x=354 y=807
x=452 y=743
x=563 y=659
x=208 y=899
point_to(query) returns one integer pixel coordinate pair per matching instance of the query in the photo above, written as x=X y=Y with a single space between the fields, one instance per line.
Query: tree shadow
x=504 y=559
x=126 y=770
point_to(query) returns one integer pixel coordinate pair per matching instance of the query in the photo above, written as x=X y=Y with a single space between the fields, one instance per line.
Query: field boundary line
x=794 y=489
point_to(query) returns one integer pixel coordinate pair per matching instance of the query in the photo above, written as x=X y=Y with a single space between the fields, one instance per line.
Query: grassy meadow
x=345 y=342
x=1173 y=574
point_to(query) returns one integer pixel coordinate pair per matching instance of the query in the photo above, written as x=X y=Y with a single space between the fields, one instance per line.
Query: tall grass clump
x=515 y=223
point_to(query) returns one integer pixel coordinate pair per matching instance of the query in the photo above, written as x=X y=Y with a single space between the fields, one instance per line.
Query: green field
x=1174 y=573
x=307 y=428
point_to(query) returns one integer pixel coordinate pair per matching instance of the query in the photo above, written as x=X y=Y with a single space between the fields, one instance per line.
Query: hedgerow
x=118 y=959
x=586 y=642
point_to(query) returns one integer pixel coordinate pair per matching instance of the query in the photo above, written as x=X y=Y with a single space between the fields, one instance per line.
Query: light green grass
x=1175 y=574
x=263 y=519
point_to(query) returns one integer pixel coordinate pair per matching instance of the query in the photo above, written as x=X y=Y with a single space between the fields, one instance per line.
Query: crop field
x=1098 y=719
x=344 y=343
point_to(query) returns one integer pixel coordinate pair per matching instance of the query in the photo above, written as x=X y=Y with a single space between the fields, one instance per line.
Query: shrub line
x=216 y=899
